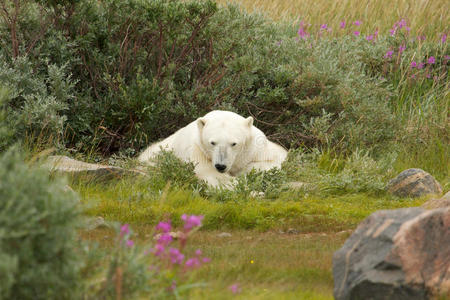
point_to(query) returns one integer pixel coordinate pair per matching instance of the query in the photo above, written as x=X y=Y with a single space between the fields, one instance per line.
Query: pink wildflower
x=420 y=66
x=301 y=31
x=158 y=250
x=443 y=38
x=401 y=48
x=164 y=226
x=192 y=262
x=356 y=33
x=130 y=243
x=125 y=229
x=389 y=54
x=234 y=288
x=342 y=24
x=191 y=221
x=357 y=23
x=413 y=65
x=431 y=60
x=176 y=257
x=369 y=37
x=164 y=239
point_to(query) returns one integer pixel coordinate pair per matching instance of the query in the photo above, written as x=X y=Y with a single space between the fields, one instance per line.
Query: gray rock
x=395 y=254
x=413 y=183
x=64 y=164
x=94 y=223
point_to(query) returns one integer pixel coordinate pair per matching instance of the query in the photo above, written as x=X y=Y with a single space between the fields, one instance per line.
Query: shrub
x=142 y=69
x=166 y=167
x=328 y=173
x=35 y=104
x=6 y=132
x=38 y=245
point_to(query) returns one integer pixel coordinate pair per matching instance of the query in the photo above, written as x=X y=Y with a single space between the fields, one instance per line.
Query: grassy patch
x=285 y=266
x=132 y=201
x=426 y=17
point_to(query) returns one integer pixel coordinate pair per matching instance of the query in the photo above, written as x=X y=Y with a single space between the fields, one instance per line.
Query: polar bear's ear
x=249 y=121
x=201 y=123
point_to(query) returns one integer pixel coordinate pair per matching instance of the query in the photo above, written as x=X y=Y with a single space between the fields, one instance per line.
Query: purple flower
x=428 y=76
x=301 y=31
x=191 y=221
x=206 y=259
x=447 y=58
x=234 y=288
x=392 y=31
x=158 y=250
x=401 y=23
x=357 y=23
x=431 y=60
x=443 y=38
x=389 y=54
x=420 y=66
x=129 y=243
x=176 y=257
x=164 y=226
x=369 y=37
x=413 y=76
x=356 y=33
x=323 y=26
x=192 y=262
x=165 y=239
x=198 y=252
x=413 y=64
x=125 y=229
x=342 y=24
x=401 y=48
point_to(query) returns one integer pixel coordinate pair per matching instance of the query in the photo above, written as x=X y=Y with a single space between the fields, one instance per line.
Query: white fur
x=252 y=150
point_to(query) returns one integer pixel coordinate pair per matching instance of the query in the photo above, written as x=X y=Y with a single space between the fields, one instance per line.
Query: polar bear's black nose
x=220 y=168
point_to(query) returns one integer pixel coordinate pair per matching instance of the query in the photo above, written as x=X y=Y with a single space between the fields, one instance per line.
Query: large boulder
x=396 y=254
x=413 y=183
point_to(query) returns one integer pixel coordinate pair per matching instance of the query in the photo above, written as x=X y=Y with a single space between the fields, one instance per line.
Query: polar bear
x=222 y=144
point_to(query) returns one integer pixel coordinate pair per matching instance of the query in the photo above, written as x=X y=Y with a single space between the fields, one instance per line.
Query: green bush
x=327 y=173
x=35 y=105
x=139 y=70
x=38 y=221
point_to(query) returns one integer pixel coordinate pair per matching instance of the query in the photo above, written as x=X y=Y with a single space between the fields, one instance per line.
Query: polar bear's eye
x=213 y=143
x=234 y=144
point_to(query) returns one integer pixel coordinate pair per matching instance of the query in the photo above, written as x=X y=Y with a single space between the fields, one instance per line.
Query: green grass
x=132 y=201
x=429 y=17
x=285 y=266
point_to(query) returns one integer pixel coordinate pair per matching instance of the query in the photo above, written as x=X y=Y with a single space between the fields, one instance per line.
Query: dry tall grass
x=425 y=17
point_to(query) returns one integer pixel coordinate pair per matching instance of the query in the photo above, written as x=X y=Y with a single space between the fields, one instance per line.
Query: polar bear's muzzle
x=220 y=159
x=220 y=168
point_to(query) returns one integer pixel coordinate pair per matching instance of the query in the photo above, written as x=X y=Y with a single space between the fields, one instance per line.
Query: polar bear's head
x=223 y=138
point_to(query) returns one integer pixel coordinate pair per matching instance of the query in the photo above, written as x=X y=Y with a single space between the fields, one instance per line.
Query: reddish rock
x=396 y=254
x=438 y=203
